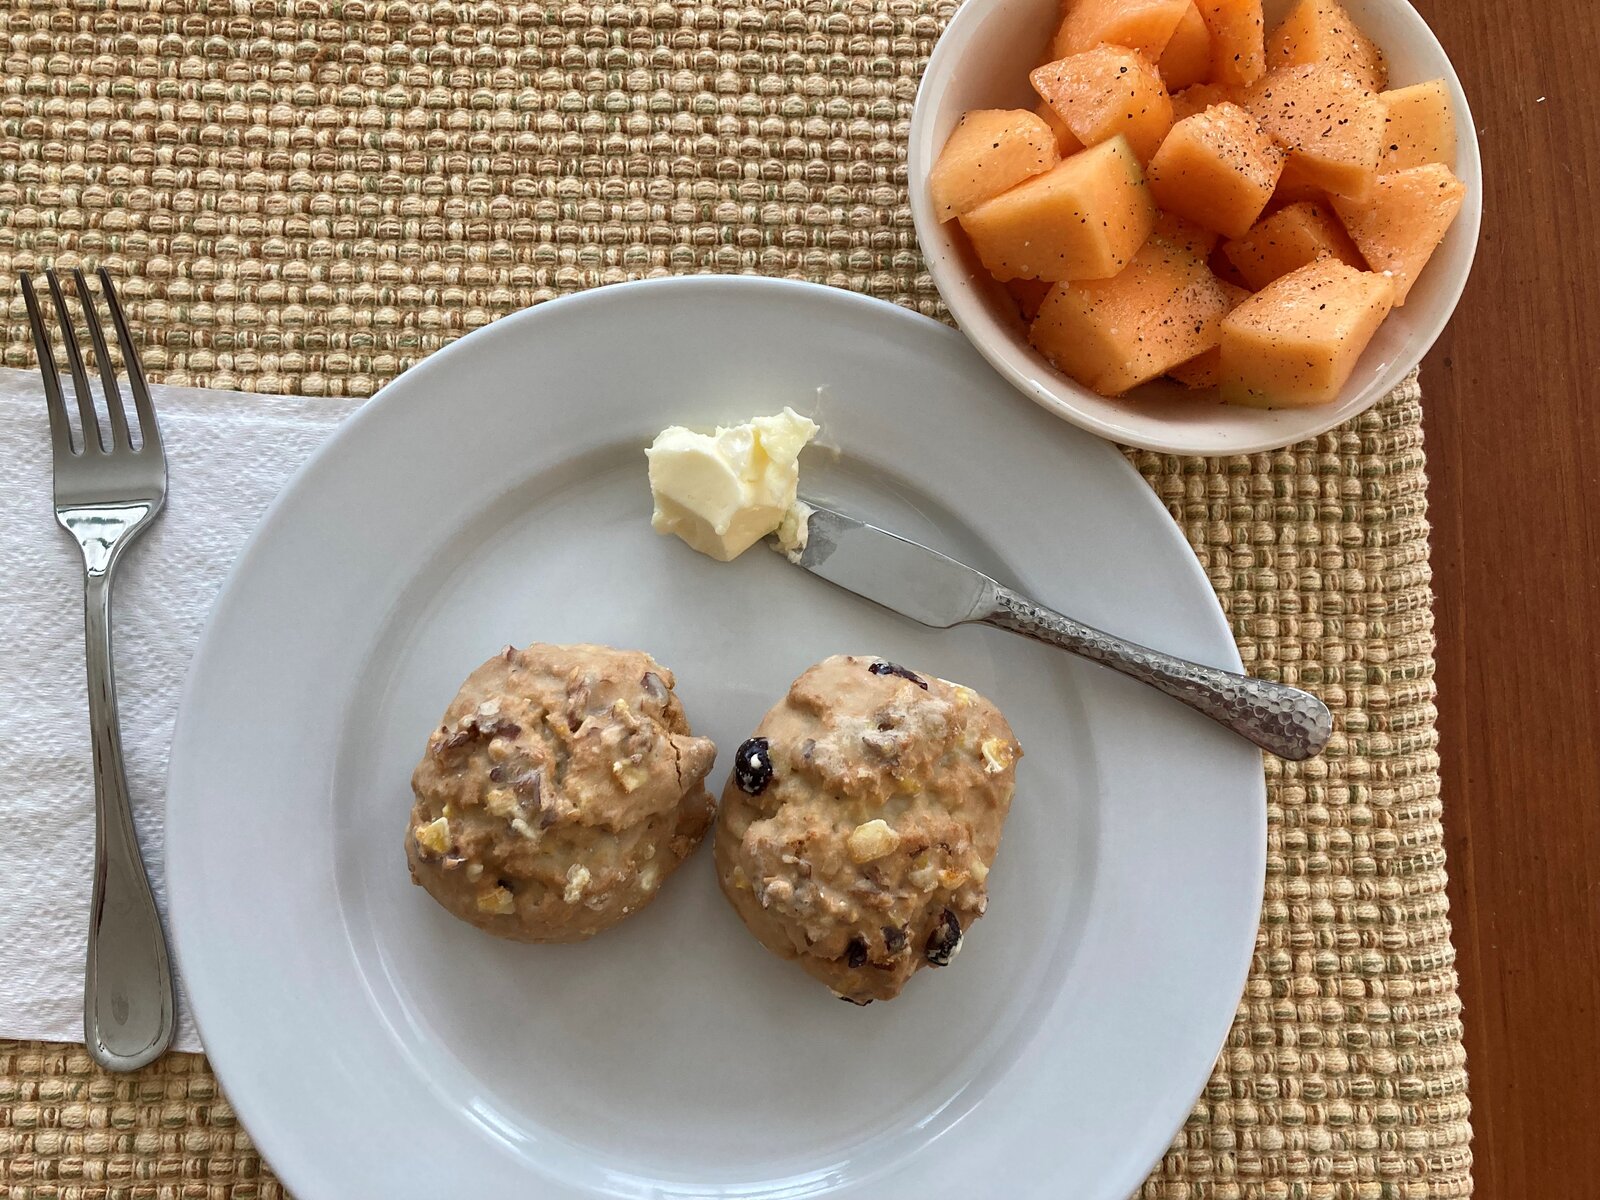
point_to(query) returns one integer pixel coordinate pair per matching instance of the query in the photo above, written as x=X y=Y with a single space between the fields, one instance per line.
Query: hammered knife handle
x=1281 y=719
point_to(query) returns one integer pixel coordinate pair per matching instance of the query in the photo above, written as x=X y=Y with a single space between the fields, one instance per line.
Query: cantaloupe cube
x=1201 y=97
x=1145 y=25
x=1202 y=372
x=1028 y=294
x=1066 y=143
x=1403 y=222
x=1238 y=44
x=1222 y=267
x=1114 y=334
x=1419 y=127
x=1288 y=240
x=1295 y=343
x=1107 y=91
x=1328 y=121
x=1174 y=229
x=1205 y=370
x=1320 y=31
x=991 y=150
x=1217 y=169
x=1296 y=185
x=1187 y=59
x=1083 y=219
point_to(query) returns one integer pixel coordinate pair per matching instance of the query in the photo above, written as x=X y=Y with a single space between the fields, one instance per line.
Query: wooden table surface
x=1513 y=438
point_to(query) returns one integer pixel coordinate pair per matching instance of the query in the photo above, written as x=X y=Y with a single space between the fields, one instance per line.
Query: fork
x=107 y=491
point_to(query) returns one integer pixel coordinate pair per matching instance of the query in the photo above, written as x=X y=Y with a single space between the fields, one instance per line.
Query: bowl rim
x=962 y=303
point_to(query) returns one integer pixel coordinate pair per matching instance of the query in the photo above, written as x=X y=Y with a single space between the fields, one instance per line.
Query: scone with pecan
x=859 y=825
x=561 y=789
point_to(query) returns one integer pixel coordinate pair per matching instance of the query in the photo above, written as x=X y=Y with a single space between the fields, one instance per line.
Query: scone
x=561 y=789
x=860 y=822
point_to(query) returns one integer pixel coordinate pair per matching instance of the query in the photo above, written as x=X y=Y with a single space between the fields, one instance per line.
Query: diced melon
x=1083 y=219
x=1029 y=294
x=1419 y=127
x=1288 y=240
x=1327 y=120
x=1238 y=45
x=1320 y=31
x=1202 y=372
x=1205 y=370
x=1295 y=185
x=1403 y=222
x=1066 y=143
x=1217 y=169
x=1201 y=97
x=1114 y=334
x=1187 y=59
x=991 y=150
x=1107 y=91
x=1222 y=267
x=1172 y=228
x=1296 y=342
x=1145 y=25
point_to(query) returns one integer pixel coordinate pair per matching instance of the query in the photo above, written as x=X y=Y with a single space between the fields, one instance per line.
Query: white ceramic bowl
x=983 y=60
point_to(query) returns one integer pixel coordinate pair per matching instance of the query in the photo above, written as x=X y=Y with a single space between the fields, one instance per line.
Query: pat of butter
x=722 y=492
x=794 y=531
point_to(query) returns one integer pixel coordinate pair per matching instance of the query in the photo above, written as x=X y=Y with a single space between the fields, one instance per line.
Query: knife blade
x=893 y=571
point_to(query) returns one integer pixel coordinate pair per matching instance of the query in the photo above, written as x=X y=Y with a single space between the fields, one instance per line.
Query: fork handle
x=1284 y=720
x=129 y=1014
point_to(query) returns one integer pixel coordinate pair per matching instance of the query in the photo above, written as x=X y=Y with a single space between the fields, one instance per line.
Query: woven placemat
x=309 y=197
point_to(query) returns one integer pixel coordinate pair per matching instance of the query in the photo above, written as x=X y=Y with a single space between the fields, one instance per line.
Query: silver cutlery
x=936 y=590
x=108 y=489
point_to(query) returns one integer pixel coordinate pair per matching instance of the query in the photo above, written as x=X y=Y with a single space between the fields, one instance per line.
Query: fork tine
x=60 y=428
x=149 y=431
x=80 y=377
x=102 y=359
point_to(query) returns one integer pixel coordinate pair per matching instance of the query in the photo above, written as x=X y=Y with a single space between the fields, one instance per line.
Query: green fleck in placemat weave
x=309 y=197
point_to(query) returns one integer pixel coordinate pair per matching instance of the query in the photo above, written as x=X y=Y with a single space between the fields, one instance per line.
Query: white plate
x=375 y=1047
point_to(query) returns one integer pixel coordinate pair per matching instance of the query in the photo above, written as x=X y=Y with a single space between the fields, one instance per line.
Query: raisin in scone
x=561 y=789
x=860 y=822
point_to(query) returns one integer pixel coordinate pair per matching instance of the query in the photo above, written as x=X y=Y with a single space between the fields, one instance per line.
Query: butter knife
x=936 y=590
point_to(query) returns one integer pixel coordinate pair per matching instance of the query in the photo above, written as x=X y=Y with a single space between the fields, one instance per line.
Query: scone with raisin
x=561 y=789
x=859 y=825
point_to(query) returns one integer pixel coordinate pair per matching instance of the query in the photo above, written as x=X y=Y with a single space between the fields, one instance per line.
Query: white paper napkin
x=228 y=454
